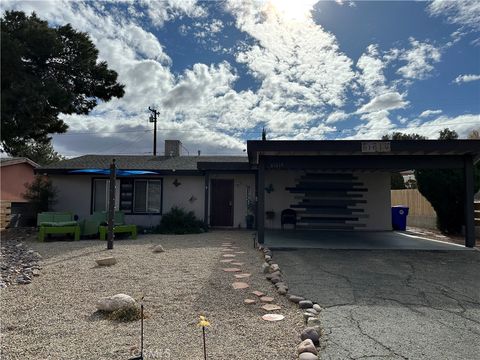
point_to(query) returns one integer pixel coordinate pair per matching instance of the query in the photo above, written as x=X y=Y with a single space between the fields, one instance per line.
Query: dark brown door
x=221 y=202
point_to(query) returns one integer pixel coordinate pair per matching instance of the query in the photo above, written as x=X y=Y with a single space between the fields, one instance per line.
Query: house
x=338 y=185
x=15 y=173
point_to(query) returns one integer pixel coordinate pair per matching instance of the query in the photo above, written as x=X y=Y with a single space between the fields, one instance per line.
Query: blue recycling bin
x=399 y=217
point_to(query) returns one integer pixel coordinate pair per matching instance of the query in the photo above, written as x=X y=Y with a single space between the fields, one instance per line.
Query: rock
x=307 y=356
x=282 y=291
x=313 y=322
x=274 y=274
x=275 y=280
x=266 y=299
x=107 y=261
x=232 y=270
x=226 y=260
x=158 y=249
x=307 y=316
x=258 y=293
x=268 y=258
x=240 y=285
x=295 y=298
x=271 y=307
x=249 y=301
x=310 y=333
x=116 y=302
x=305 y=304
x=273 y=317
x=312 y=311
x=265 y=268
x=36 y=272
x=281 y=284
x=307 y=346
x=274 y=268
x=317 y=307
x=242 y=276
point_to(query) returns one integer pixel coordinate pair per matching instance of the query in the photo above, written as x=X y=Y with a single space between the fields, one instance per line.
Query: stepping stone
x=273 y=317
x=106 y=261
x=226 y=244
x=266 y=299
x=226 y=249
x=229 y=255
x=226 y=260
x=240 y=285
x=271 y=307
x=232 y=270
x=240 y=252
x=242 y=276
x=238 y=263
x=258 y=293
x=249 y=301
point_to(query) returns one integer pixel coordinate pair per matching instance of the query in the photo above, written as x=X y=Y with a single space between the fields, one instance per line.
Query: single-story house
x=339 y=185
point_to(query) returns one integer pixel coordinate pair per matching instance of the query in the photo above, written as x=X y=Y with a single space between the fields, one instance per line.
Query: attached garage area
x=339 y=191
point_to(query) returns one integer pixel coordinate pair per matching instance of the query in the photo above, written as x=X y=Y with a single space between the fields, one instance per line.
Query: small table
x=117 y=229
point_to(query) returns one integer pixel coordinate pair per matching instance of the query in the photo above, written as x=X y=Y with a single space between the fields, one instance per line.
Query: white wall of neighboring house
x=377 y=209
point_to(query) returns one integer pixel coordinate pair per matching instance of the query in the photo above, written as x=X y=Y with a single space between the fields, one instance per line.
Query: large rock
x=265 y=268
x=313 y=322
x=116 y=302
x=106 y=261
x=312 y=311
x=310 y=333
x=305 y=304
x=307 y=346
x=274 y=268
x=158 y=249
x=317 y=307
x=295 y=298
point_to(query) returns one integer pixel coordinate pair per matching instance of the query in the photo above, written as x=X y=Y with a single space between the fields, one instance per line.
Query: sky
x=220 y=71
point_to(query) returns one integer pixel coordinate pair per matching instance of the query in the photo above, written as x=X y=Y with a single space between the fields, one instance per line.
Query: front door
x=222 y=202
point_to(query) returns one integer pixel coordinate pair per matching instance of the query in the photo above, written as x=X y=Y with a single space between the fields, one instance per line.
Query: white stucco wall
x=377 y=197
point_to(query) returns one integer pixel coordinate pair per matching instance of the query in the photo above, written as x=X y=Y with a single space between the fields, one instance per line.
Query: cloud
x=384 y=102
x=337 y=116
x=465 y=13
x=419 y=58
x=371 y=75
x=462 y=124
x=466 y=78
x=428 y=113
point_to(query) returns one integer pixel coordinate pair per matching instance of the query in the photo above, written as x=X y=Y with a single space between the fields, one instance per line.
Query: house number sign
x=376 y=146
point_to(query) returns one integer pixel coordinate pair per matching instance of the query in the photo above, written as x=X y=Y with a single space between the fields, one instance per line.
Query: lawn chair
x=119 y=226
x=57 y=223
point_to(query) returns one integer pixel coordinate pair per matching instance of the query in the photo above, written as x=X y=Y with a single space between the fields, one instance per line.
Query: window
x=101 y=189
x=147 y=196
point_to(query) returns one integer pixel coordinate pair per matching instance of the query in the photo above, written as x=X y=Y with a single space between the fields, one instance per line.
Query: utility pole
x=111 y=205
x=153 y=118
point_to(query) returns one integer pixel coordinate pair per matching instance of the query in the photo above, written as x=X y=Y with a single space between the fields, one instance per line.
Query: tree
x=474 y=134
x=40 y=193
x=396 y=181
x=47 y=72
x=41 y=153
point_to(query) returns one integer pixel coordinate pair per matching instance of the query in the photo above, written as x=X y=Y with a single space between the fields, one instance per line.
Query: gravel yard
x=53 y=317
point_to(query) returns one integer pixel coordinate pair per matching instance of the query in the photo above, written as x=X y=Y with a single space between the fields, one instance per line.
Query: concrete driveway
x=390 y=304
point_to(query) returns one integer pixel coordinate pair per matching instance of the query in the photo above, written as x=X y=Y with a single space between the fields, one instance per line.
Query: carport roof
x=258 y=148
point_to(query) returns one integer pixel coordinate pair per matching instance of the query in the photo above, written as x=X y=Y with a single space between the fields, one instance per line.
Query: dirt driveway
x=387 y=304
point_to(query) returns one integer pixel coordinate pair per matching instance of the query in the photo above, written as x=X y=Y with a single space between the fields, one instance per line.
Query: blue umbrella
x=118 y=172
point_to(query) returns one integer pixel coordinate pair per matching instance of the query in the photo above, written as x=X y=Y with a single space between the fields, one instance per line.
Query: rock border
x=309 y=346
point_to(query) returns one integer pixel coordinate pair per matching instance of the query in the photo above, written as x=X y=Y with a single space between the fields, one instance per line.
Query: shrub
x=123 y=315
x=178 y=221
x=41 y=193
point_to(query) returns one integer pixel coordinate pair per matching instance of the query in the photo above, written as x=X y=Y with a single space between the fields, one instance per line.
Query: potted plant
x=250 y=218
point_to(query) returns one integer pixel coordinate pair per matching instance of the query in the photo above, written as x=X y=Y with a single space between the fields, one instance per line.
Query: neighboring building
x=15 y=173
x=331 y=185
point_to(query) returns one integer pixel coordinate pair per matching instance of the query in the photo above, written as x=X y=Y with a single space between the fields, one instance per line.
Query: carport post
x=261 y=202
x=469 y=202
x=205 y=209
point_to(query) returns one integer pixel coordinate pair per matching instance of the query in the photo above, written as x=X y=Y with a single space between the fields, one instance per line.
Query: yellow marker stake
x=204 y=323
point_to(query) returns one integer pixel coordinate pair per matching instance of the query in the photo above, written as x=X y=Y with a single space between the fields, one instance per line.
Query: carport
x=341 y=185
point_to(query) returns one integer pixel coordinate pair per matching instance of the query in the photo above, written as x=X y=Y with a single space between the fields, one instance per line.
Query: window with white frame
x=147 y=196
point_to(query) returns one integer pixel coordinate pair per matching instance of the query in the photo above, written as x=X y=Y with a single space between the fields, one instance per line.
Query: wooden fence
x=421 y=213
x=5 y=212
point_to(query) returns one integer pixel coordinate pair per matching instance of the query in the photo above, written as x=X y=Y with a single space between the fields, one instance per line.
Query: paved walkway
x=386 y=304
x=353 y=240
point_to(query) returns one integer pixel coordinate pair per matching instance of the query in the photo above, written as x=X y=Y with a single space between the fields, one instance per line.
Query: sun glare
x=293 y=10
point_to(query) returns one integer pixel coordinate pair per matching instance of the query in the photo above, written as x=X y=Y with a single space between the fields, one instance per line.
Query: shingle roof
x=17 y=160
x=140 y=162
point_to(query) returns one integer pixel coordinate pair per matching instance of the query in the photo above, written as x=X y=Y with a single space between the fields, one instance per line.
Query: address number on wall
x=376 y=146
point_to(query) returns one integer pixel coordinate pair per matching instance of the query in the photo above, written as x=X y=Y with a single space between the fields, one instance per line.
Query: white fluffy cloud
x=419 y=60
x=465 y=13
x=384 y=102
x=428 y=113
x=466 y=78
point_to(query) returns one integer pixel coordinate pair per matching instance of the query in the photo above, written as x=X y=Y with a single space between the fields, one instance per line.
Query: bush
x=41 y=194
x=178 y=221
x=123 y=315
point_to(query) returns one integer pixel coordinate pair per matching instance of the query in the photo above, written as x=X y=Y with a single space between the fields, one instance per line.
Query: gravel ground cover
x=54 y=316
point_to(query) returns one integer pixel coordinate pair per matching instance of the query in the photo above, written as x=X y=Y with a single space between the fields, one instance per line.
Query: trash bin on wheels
x=399 y=217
